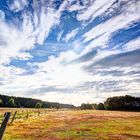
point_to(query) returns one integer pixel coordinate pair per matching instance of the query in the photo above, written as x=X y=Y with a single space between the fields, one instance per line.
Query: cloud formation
x=70 y=51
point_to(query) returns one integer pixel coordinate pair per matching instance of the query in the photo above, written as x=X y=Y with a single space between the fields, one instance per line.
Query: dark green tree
x=86 y=106
x=123 y=103
x=101 y=106
x=11 y=102
x=1 y=102
x=38 y=105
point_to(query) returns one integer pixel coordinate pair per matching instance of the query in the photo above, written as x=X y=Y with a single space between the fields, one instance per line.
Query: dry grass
x=77 y=125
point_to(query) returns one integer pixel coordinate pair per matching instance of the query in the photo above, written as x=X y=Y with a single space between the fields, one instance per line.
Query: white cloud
x=59 y=35
x=71 y=35
x=9 y=71
x=96 y=9
x=34 y=29
x=17 y=5
x=132 y=45
x=73 y=98
x=2 y=15
x=13 y=43
x=55 y=73
x=74 y=84
x=46 y=25
x=76 y=7
x=59 y=73
x=101 y=33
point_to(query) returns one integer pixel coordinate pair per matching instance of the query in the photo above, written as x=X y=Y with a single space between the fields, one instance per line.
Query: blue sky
x=70 y=51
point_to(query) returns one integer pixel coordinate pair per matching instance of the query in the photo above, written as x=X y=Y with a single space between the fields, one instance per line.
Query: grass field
x=75 y=125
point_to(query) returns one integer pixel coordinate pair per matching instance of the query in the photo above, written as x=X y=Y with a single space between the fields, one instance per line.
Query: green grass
x=76 y=125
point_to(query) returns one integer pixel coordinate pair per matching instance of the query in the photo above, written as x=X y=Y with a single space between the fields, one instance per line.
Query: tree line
x=116 y=103
x=112 y=103
x=21 y=102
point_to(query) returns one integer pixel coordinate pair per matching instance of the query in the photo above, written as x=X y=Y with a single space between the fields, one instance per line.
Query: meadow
x=72 y=125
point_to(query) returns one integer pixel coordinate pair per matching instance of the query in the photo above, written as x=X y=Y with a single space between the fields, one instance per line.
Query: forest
x=21 y=102
x=126 y=102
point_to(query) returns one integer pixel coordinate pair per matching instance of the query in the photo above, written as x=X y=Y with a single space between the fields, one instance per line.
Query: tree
x=123 y=103
x=1 y=102
x=86 y=106
x=11 y=102
x=101 y=106
x=38 y=105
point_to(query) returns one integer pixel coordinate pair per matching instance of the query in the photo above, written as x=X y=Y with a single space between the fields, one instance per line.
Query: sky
x=70 y=51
